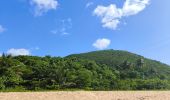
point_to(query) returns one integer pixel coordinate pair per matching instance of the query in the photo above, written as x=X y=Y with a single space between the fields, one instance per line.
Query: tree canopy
x=100 y=70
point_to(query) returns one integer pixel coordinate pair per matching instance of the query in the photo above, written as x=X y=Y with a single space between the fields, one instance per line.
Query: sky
x=63 y=27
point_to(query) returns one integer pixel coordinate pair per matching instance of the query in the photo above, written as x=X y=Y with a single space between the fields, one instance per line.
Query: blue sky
x=63 y=27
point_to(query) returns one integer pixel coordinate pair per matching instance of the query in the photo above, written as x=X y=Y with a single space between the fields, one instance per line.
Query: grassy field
x=87 y=95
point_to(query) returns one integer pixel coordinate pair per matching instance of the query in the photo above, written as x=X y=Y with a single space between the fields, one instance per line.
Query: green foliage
x=100 y=70
x=2 y=85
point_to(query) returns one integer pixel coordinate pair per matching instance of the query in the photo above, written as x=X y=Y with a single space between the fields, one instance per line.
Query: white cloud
x=43 y=6
x=16 y=52
x=63 y=26
x=89 y=4
x=111 y=15
x=132 y=7
x=102 y=43
x=2 y=29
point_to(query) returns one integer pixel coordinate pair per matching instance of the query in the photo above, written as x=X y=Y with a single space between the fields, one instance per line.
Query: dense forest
x=98 y=70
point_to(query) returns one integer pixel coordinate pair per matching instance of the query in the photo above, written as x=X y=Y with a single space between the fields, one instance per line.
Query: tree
x=84 y=79
x=140 y=63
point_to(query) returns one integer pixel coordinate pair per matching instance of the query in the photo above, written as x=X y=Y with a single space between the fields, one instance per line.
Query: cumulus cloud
x=2 y=29
x=43 y=6
x=111 y=15
x=101 y=43
x=17 y=52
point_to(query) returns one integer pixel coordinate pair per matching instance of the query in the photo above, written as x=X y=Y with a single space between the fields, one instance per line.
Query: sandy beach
x=87 y=95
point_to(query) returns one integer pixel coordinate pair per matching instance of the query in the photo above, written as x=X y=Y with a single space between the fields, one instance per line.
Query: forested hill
x=124 y=60
x=98 y=70
x=116 y=57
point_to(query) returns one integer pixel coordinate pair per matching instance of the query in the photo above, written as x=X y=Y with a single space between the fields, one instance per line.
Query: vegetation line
x=106 y=70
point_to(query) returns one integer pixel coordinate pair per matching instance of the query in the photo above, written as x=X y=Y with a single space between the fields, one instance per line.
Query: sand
x=87 y=95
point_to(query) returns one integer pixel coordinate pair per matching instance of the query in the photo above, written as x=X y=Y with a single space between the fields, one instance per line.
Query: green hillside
x=98 y=70
x=119 y=60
